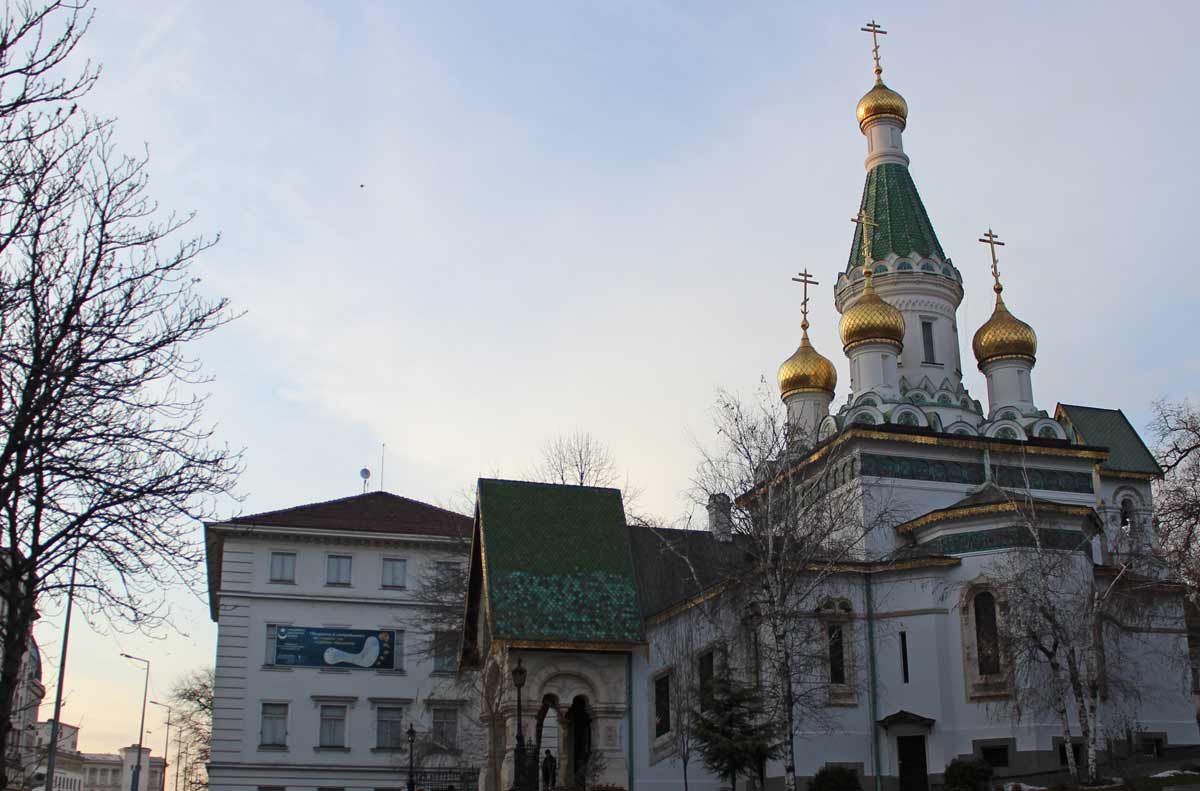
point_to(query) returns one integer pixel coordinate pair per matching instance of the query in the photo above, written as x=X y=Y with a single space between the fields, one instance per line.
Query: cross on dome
x=806 y=280
x=993 y=241
x=876 y=30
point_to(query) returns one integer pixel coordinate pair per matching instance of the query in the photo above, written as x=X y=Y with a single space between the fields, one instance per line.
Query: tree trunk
x=18 y=618
x=1085 y=721
x=685 y=777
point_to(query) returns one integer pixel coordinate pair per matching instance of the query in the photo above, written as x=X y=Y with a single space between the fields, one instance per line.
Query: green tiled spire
x=892 y=200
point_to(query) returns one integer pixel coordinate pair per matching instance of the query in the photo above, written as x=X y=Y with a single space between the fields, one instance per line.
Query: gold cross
x=993 y=241
x=876 y=31
x=806 y=280
x=864 y=221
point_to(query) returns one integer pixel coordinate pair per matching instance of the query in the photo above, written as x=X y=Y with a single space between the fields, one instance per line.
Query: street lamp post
x=519 y=779
x=166 y=742
x=412 y=738
x=137 y=769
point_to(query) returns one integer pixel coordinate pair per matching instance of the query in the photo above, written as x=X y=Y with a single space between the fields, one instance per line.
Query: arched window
x=865 y=418
x=907 y=419
x=987 y=635
x=1046 y=432
x=1006 y=432
x=1126 y=514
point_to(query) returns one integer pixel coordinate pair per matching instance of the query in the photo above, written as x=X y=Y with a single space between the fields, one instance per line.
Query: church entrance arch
x=547 y=736
x=579 y=740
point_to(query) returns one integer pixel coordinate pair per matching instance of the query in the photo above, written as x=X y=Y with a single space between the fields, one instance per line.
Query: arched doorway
x=546 y=738
x=579 y=740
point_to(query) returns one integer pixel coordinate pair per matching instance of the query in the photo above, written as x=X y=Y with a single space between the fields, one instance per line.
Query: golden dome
x=806 y=371
x=881 y=101
x=1004 y=336
x=871 y=319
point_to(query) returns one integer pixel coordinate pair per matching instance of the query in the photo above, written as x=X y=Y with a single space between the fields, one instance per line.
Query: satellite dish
x=364 y=473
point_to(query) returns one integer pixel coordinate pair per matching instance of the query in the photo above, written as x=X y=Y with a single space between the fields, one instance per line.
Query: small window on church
x=1046 y=432
x=1006 y=433
x=662 y=705
x=907 y=419
x=1126 y=514
x=927 y=337
x=987 y=634
x=837 y=653
x=706 y=668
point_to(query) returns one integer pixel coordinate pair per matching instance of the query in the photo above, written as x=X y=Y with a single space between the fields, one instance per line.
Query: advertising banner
x=302 y=646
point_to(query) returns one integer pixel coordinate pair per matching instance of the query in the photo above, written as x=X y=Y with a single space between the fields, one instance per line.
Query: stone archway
x=548 y=731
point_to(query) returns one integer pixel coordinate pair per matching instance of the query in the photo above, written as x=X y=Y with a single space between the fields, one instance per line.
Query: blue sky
x=464 y=228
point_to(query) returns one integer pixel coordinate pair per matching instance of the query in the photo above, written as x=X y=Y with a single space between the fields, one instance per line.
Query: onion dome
x=806 y=371
x=871 y=320
x=881 y=102
x=1004 y=336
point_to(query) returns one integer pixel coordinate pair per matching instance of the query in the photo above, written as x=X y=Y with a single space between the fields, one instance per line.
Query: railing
x=443 y=779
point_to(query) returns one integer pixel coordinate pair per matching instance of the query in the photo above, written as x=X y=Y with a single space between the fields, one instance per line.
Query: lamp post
x=166 y=742
x=137 y=769
x=412 y=739
x=518 y=680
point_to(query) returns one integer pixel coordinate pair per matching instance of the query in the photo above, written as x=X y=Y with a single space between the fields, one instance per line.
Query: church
x=575 y=617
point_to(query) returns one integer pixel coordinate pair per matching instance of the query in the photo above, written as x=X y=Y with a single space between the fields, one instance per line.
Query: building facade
x=325 y=654
x=75 y=770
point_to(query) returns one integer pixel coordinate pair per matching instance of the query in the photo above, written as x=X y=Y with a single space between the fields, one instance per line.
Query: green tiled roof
x=891 y=198
x=1109 y=428
x=557 y=563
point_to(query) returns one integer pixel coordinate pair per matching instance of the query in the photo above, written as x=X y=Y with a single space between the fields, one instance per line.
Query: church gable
x=556 y=565
x=1111 y=429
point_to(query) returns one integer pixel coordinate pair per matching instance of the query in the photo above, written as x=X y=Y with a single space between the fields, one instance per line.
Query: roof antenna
x=365 y=474
x=382 y=458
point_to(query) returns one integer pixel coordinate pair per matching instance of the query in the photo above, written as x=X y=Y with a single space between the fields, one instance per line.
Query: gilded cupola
x=806 y=371
x=1003 y=336
x=881 y=102
x=871 y=320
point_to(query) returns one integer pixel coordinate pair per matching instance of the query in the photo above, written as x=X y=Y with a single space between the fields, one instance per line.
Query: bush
x=835 y=778
x=967 y=774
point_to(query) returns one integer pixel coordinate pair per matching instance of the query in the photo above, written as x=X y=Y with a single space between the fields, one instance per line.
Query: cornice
x=314 y=536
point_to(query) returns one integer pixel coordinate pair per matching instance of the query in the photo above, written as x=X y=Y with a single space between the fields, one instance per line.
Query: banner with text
x=302 y=646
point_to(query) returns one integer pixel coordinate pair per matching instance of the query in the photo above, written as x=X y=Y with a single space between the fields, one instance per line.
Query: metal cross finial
x=866 y=223
x=805 y=280
x=993 y=241
x=876 y=31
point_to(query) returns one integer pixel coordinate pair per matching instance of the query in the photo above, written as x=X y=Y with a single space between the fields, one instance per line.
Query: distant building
x=79 y=771
x=320 y=670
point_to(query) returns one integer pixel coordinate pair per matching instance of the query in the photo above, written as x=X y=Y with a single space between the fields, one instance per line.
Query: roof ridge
x=275 y=512
x=552 y=483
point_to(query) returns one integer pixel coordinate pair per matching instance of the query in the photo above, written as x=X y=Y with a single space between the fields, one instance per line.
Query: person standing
x=549 y=768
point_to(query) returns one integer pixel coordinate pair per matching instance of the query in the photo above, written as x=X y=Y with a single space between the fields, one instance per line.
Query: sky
x=462 y=229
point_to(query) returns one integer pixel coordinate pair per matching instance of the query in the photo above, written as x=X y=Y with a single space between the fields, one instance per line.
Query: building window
x=283 y=567
x=662 y=705
x=445 y=726
x=389 y=731
x=996 y=757
x=337 y=570
x=987 y=636
x=394 y=571
x=904 y=655
x=837 y=653
x=927 y=337
x=445 y=652
x=274 y=725
x=333 y=725
x=705 y=669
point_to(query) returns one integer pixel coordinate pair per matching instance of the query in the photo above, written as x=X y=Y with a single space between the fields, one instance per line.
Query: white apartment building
x=321 y=665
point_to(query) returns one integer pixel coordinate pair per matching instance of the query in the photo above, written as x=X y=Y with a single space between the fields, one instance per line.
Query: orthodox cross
x=993 y=241
x=805 y=280
x=864 y=221
x=876 y=31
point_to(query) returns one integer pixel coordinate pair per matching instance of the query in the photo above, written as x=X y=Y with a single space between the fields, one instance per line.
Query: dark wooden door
x=914 y=775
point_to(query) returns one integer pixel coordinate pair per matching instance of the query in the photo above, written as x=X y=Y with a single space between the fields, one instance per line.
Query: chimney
x=720 y=517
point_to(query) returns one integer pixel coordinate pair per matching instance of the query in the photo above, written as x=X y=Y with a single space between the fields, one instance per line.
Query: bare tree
x=1176 y=428
x=191 y=699
x=104 y=455
x=797 y=520
x=576 y=459
x=1064 y=628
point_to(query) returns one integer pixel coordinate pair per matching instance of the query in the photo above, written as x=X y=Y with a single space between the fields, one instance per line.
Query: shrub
x=967 y=774
x=835 y=778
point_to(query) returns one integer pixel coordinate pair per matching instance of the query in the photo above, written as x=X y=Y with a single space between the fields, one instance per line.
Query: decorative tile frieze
x=1005 y=538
